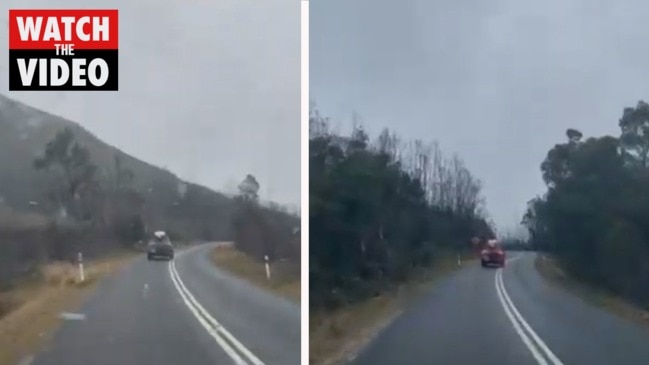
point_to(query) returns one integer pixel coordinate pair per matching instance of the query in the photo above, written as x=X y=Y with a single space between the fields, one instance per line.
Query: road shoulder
x=38 y=302
x=237 y=263
x=267 y=324
x=552 y=272
x=337 y=337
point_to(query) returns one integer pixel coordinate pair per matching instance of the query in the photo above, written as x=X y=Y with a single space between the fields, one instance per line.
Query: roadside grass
x=33 y=307
x=282 y=281
x=337 y=336
x=553 y=273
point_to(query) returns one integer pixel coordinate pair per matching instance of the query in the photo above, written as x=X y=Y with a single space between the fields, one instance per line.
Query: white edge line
x=529 y=329
x=304 y=173
x=211 y=331
x=517 y=327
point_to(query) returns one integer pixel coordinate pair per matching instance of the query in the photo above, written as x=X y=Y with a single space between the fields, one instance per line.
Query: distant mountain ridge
x=24 y=133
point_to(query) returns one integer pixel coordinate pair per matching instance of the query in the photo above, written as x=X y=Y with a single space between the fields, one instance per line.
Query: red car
x=492 y=254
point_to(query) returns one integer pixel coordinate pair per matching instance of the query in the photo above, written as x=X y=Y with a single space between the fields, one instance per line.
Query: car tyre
x=484 y=264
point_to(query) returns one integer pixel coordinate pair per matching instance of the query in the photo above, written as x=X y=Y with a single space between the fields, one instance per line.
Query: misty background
x=208 y=90
x=498 y=83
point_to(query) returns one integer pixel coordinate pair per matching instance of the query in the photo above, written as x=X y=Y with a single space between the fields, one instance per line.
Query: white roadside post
x=459 y=259
x=82 y=276
x=267 y=267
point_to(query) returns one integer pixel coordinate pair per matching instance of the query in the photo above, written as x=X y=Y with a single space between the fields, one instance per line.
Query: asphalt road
x=185 y=313
x=469 y=318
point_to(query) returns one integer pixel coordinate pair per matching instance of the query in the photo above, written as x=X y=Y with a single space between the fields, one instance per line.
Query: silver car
x=160 y=246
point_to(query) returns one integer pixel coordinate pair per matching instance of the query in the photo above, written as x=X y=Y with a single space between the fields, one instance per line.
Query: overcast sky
x=497 y=81
x=209 y=89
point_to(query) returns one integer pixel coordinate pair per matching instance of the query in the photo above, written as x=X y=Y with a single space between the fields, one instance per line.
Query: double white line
x=537 y=347
x=235 y=349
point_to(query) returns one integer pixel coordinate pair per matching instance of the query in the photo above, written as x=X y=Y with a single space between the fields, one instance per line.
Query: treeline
x=380 y=209
x=262 y=232
x=594 y=216
x=515 y=244
x=98 y=209
x=86 y=213
x=24 y=249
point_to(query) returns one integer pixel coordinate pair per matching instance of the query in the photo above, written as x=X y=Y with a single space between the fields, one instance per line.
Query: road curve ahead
x=506 y=317
x=183 y=312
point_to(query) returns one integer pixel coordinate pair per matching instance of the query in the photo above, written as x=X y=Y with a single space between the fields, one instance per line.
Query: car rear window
x=163 y=240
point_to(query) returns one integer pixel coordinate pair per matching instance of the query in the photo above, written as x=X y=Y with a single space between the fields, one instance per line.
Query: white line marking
x=513 y=259
x=213 y=327
x=216 y=324
x=509 y=305
x=529 y=329
x=229 y=350
x=517 y=327
x=73 y=316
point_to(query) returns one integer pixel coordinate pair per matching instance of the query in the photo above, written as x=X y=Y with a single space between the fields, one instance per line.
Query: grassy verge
x=337 y=336
x=551 y=271
x=32 y=309
x=241 y=265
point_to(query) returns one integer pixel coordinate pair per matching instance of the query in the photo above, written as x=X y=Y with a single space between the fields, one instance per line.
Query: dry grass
x=551 y=270
x=339 y=335
x=281 y=283
x=36 y=304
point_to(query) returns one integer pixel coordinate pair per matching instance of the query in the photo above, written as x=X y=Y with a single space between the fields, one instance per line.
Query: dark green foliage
x=381 y=209
x=595 y=215
x=261 y=231
x=635 y=134
x=70 y=164
x=130 y=229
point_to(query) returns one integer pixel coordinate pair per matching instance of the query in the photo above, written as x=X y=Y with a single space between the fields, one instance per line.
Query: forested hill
x=24 y=134
x=63 y=191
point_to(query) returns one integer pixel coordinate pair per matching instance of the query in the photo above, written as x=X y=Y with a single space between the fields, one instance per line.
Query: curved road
x=506 y=317
x=184 y=312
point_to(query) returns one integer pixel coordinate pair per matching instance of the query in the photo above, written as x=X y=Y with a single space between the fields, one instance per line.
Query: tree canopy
x=380 y=209
x=594 y=215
